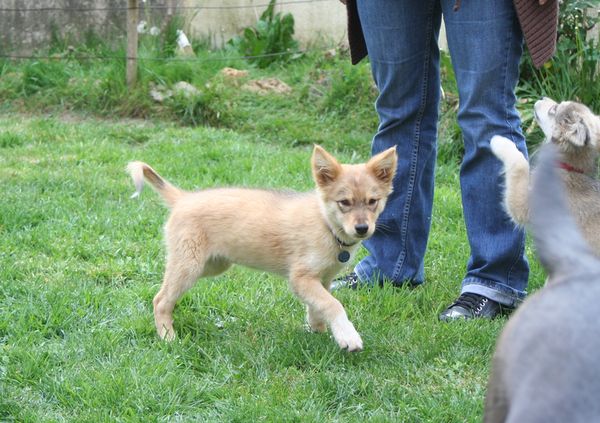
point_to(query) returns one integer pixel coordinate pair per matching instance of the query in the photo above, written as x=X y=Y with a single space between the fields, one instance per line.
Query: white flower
x=154 y=31
x=182 y=39
x=142 y=27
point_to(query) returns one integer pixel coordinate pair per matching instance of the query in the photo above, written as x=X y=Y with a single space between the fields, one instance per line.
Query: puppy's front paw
x=504 y=149
x=345 y=335
x=166 y=334
x=512 y=159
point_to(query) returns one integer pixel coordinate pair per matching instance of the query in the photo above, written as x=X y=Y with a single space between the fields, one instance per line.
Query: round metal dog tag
x=344 y=256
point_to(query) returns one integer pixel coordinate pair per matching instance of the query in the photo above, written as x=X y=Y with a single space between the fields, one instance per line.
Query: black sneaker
x=473 y=306
x=350 y=280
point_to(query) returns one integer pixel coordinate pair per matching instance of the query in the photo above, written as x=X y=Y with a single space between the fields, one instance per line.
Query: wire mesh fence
x=134 y=9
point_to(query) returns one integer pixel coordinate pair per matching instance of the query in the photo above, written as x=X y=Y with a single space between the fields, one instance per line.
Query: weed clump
x=270 y=41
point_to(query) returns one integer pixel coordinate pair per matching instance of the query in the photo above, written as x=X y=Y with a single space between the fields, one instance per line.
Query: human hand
x=542 y=2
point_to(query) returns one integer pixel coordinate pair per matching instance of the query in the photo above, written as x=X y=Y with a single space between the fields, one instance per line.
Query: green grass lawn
x=80 y=263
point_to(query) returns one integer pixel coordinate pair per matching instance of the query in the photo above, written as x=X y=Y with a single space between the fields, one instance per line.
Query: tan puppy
x=305 y=237
x=575 y=130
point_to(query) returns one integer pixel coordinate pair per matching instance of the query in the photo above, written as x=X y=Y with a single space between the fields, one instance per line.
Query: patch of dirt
x=267 y=86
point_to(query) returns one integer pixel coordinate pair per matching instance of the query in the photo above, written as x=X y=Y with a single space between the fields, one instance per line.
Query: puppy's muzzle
x=361 y=229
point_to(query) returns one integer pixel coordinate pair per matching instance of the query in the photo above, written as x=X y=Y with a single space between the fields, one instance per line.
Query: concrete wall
x=316 y=20
x=323 y=20
x=25 y=30
x=216 y=20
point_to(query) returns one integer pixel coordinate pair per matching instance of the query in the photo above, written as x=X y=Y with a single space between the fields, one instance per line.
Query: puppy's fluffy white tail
x=140 y=171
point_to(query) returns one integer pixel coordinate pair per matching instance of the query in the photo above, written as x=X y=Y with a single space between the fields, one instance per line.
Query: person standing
x=485 y=41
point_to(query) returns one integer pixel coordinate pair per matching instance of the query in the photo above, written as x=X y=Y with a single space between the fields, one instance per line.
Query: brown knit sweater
x=538 y=22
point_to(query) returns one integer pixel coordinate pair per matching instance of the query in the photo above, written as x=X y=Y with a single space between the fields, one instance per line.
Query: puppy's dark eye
x=345 y=203
x=372 y=202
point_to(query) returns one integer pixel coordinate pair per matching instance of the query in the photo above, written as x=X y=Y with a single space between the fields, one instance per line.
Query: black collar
x=340 y=242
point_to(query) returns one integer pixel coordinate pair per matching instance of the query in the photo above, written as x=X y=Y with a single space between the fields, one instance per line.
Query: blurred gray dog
x=546 y=368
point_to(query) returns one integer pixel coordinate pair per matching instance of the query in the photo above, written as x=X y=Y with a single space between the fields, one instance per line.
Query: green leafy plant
x=573 y=72
x=575 y=18
x=270 y=41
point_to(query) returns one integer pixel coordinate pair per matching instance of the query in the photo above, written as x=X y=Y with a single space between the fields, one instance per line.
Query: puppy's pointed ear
x=577 y=126
x=383 y=165
x=578 y=133
x=325 y=167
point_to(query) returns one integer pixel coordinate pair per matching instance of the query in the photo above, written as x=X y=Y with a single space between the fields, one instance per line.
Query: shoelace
x=351 y=279
x=470 y=301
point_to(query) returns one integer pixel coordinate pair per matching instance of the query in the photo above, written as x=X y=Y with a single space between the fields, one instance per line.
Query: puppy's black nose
x=361 y=228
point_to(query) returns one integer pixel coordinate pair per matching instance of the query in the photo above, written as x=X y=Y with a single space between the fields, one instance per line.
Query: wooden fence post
x=169 y=13
x=132 y=42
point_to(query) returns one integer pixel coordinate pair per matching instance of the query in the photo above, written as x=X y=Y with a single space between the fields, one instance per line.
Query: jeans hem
x=378 y=278
x=363 y=278
x=495 y=291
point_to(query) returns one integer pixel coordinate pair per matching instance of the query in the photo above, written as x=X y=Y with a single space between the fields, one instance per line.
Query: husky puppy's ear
x=325 y=167
x=577 y=125
x=383 y=165
x=577 y=133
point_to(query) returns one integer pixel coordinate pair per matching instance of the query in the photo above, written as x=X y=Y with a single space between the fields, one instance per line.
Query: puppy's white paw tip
x=498 y=142
x=503 y=148
x=356 y=347
x=346 y=336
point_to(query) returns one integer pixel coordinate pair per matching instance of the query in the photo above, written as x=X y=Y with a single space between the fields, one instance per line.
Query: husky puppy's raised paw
x=305 y=237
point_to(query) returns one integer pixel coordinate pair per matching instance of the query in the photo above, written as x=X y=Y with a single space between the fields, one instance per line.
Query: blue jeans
x=485 y=43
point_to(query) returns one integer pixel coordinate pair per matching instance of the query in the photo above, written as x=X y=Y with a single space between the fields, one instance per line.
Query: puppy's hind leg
x=180 y=276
